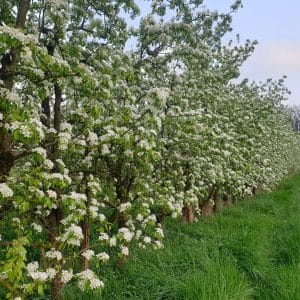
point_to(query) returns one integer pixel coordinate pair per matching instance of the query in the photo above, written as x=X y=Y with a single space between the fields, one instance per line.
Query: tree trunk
x=53 y=222
x=208 y=208
x=217 y=201
x=227 y=200
x=121 y=221
x=188 y=215
x=10 y=59
x=84 y=263
x=56 y=287
x=57 y=107
x=7 y=73
x=6 y=155
x=161 y=216
x=258 y=189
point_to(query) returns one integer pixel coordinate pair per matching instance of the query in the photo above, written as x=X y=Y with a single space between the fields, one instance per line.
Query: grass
x=249 y=251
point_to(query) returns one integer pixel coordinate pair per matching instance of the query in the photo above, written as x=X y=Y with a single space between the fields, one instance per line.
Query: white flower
x=128 y=153
x=48 y=164
x=51 y=273
x=138 y=234
x=77 y=197
x=147 y=240
x=88 y=277
x=105 y=149
x=87 y=274
x=113 y=242
x=52 y=194
x=37 y=227
x=66 y=275
x=53 y=254
x=88 y=254
x=66 y=127
x=93 y=211
x=124 y=250
x=41 y=151
x=32 y=267
x=101 y=217
x=16 y=220
x=73 y=235
x=92 y=138
x=61 y=163
x=126 y=233
x=103 y=236
x=160 y=232
x=5 y=190
x=64 y=139
x=81 y=143
x=140 y=217
x=124 y=206
x=57 y=176
x=103 y=256
x=158 y=244
x=96 y=283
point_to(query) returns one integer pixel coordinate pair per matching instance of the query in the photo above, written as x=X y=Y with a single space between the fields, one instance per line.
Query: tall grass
x=247 y=251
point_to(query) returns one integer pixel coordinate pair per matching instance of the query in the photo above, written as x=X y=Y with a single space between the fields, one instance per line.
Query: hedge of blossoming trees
x=98 y=144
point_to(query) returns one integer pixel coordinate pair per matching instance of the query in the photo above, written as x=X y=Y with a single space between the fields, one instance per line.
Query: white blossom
x=51 y=273
x=147 y=240
x=92 y=138
x=5 y=190
x=66 y=275
x=48 y=164
x=88 y=254
x=103 y=237
x=72 y=235
x=37 y=227
x=124 y=206
x=126 y=234
x=88 y=278
x=102 y=256
x=53 y=254
x=124 y=250
x=113 y=242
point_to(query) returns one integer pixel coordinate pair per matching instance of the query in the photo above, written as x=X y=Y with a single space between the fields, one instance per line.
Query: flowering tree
x=98 y=144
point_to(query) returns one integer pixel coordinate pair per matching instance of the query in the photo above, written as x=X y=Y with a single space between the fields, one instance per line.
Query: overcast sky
x=276 y=26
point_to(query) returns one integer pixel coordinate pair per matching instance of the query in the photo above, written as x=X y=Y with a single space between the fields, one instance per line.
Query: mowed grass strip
x=247 y=251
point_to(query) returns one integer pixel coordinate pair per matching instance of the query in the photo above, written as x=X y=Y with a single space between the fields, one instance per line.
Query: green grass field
x=250 y=251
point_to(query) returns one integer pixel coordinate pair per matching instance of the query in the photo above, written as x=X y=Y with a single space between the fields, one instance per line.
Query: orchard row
x=98 y=144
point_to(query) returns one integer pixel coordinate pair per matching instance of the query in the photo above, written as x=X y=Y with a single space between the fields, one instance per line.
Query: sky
x=275 y=24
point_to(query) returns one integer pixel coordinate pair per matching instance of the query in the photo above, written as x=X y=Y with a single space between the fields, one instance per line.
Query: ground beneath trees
x=250 y=251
